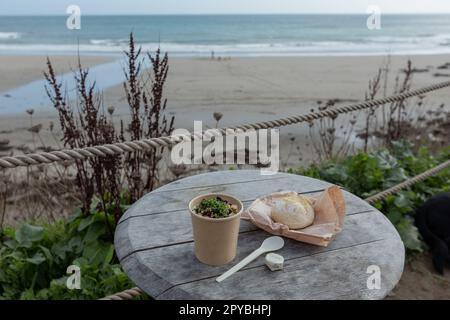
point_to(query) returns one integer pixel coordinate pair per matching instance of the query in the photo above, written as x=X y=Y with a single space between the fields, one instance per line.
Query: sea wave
x=109 y=42
x=374 y=46
x=9 y=35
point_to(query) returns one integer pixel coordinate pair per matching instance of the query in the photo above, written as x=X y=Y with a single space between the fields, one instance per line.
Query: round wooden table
x=154 y=243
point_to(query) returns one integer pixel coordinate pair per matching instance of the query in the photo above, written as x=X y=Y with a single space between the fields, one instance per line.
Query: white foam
x=377 y=46
x=9 y=35
x=106 y=42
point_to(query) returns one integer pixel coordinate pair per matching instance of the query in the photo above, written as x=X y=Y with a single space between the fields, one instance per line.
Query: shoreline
x=117 y=54
x=23 y=69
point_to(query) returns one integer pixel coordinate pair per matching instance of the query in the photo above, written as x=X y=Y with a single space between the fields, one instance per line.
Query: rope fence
x=125 y=295
x=166 y=141
x=408 y=183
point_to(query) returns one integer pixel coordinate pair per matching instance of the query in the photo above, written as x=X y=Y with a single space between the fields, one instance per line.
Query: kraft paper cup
x=215 y=239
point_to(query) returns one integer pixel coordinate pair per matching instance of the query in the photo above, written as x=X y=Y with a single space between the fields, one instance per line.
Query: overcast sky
x=18 y=7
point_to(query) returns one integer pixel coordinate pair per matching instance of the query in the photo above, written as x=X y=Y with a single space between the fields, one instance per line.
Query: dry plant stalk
x=147 y=105
x=394 y=121
x=374 y=87
x=323 y=134
x=85 y=124
x=402 y=119
x=396 y=118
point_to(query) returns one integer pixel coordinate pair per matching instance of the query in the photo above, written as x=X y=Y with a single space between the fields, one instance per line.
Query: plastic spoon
x=270 y=244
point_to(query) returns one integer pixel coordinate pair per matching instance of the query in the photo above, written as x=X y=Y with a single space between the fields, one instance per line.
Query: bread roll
x=294 y=211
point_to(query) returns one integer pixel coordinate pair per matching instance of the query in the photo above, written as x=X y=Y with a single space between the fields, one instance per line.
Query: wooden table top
x=155 y=247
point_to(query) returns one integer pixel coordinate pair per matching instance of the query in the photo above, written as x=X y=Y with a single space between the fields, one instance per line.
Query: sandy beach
x=243 y=89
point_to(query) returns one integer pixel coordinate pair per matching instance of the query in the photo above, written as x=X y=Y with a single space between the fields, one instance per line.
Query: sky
x=105 y=7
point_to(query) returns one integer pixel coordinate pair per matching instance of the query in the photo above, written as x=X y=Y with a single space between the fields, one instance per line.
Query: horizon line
x=219 y=14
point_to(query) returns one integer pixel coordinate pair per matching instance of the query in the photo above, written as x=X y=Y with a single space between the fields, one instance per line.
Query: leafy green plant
x=34 y=259
x=365 y=174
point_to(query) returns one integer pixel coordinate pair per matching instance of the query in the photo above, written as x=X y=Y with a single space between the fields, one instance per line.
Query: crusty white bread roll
x=294 y=211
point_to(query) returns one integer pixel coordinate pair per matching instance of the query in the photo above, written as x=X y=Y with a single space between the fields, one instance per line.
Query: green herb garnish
x=215 y=208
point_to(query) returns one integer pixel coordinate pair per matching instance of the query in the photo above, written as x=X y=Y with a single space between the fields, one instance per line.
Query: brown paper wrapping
x=329 y=210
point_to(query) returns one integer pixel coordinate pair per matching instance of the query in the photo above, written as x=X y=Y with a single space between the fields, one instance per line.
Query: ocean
x=229 y=35
x=199 y=35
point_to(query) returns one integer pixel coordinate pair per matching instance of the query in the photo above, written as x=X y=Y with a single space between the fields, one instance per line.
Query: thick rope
x=165 y=141
x=123 y=147
x=125 y=295
x=407 y=183
x=134 y=292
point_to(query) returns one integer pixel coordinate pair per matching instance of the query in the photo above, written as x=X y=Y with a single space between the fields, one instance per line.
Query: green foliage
x=215 y=208
x=34 y=259
x=365 y=174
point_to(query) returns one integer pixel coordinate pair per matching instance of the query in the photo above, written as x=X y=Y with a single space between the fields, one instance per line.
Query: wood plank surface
x=154 y=243
x=154 y=230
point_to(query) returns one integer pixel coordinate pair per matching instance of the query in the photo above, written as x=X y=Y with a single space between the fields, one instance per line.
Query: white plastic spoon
x=270 y=244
